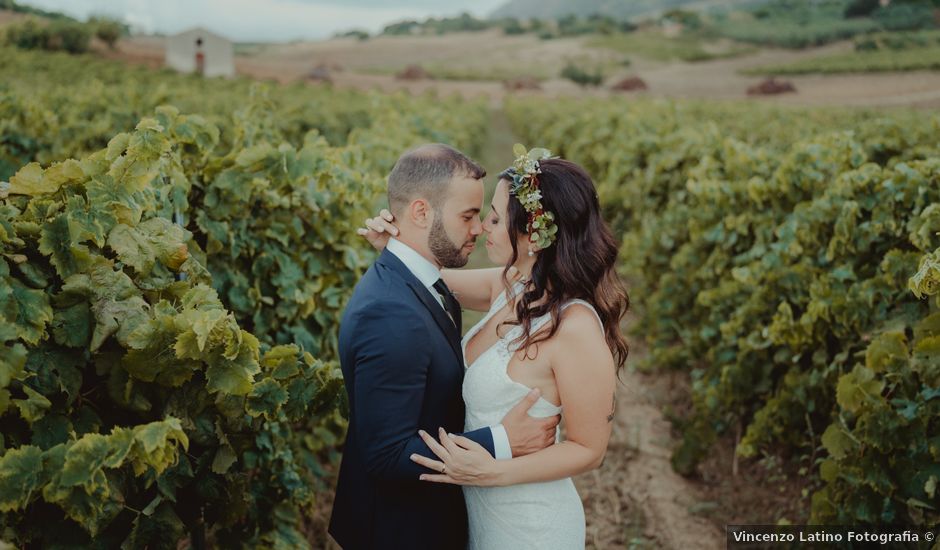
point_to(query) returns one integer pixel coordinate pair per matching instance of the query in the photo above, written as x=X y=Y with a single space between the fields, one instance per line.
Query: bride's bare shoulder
x=579 y=327
x=580 y=342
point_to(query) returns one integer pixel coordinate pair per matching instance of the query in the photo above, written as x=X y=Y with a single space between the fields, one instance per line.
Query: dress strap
x=544 y=319
x=503 y=297
x=589 y=306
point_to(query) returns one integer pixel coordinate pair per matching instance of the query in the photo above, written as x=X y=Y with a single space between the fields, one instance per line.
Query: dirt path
x=636 y=500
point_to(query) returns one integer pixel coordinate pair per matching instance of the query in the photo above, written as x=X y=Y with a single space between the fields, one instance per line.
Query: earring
x=531 y=253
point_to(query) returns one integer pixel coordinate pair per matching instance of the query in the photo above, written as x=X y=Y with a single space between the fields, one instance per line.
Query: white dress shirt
x=428 y=274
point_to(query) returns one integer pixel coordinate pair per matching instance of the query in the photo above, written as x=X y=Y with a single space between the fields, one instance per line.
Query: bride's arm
x=586 y=380
x=473 y=288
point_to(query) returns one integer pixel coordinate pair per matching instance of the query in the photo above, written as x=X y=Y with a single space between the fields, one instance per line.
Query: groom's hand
x=528 y=434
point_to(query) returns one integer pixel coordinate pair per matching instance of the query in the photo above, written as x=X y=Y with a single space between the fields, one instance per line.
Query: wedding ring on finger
x=443 y=469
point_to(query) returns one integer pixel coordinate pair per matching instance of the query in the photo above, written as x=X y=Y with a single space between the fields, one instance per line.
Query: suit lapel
x=425 y=297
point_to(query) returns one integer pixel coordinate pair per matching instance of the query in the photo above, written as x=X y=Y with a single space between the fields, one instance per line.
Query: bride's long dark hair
x=579 y=264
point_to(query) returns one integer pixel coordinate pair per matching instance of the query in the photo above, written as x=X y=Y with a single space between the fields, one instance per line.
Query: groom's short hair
x=426 y=171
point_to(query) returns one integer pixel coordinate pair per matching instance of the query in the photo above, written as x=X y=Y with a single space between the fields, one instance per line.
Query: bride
x=552 y=323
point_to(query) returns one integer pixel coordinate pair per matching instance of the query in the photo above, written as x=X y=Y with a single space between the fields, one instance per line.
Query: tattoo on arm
x=613 y=408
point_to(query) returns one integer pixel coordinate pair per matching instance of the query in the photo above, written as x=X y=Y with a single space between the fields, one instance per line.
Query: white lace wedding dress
x=546 y=515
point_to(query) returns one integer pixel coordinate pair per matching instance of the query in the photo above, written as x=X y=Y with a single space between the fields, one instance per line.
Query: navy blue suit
x=403 y=369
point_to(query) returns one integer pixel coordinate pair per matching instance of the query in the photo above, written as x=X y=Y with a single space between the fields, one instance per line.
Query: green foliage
x=861 y=8
x=586 y=9
x=895 y=51
x=28 y=35
x=512 y=26
x=652 y=44
x=112 y=328
x=63 y=34
x=409 y=26
x=437 y=26
x=16 y=7
x=581 y=77
x=273 y=218
x=688 y=19
x=52 y=108
x=768 y=249
x=566 y=25
x=162 y=300
x=69 y=36
x=794 y=24
x=358 y=34
x=898 y=41
x=884 y=447
x=572 y=25
x=926 y=282
x=108 y=30
x=901 y=16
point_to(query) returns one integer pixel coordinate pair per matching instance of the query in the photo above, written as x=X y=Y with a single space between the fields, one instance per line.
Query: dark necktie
x=450 y=303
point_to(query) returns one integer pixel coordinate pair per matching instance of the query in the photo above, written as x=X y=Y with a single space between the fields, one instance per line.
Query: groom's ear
x=420 y=213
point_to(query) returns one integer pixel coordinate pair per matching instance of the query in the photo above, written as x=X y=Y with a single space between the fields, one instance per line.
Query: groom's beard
x=444 y=251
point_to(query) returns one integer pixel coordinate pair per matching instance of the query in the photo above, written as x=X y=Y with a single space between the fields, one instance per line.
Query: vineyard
x=784 y=259
x=176 y=254
x=170 y=292
x=874 y=53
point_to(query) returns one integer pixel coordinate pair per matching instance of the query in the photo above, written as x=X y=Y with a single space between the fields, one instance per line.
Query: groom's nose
x=477 y=227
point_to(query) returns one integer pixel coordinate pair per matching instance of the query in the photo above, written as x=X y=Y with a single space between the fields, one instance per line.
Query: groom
x=399 y=345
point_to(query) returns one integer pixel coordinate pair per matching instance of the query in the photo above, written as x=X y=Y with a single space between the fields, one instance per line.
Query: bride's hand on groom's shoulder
x=379 y=230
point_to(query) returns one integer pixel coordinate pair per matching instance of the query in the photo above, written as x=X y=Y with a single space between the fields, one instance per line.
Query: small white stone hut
x=200 y=51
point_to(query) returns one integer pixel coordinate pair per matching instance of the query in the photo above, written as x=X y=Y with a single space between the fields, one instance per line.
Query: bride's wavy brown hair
x=579 y=264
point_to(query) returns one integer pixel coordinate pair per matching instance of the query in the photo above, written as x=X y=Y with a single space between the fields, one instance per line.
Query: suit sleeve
x=390 y=381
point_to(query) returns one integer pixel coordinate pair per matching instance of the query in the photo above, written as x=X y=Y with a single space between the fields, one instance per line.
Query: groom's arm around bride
x=402 y=376
x=394 y=381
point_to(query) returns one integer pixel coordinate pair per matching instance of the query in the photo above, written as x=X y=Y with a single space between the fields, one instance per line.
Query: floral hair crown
x=525 y=186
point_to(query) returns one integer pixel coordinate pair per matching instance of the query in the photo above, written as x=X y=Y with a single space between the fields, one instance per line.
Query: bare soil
x=7 y=17
x=635 y=499
x=372 y=64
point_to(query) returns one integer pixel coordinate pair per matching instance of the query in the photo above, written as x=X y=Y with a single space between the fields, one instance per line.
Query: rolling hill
x=620 y=9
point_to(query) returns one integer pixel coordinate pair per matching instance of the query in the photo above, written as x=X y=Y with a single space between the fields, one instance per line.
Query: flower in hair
x=525 y=187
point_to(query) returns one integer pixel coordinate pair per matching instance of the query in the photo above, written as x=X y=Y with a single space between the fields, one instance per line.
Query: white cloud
x=262 y=20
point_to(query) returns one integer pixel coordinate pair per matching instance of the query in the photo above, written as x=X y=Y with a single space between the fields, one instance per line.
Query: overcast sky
x=265 y=20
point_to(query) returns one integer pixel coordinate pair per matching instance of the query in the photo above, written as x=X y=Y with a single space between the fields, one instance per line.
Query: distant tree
x=512 y=26
x=626 y=26
x=579 y=76
x=108 y=30
x=905 y=16
x=467 y=22
x=70 y=36
x=402 y=27
x=860 y=8
x=572 y=25
x=11 y=5
x=688 y=19
x=28 y=35
x=358 y=34
x=567 y=25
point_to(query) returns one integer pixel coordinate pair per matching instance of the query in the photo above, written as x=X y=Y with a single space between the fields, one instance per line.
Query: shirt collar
x=418 y=265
